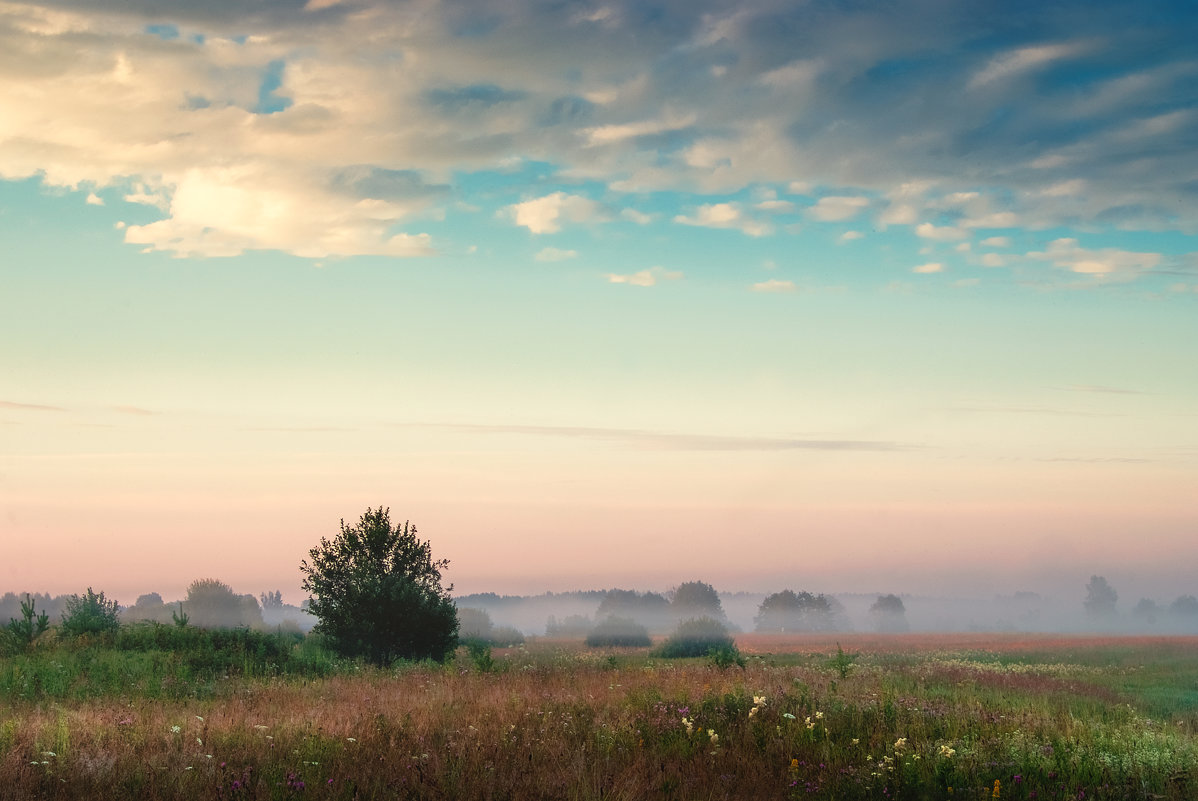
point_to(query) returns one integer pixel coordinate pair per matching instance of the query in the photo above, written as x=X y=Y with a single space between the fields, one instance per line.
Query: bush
x=696 y=637
x=504 y=636
x=619 y=632
x=90 y=614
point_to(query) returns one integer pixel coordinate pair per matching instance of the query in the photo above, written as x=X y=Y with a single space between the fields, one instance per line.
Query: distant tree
x=474 y=623
x=1183 y=613
x=1147 y=611
x=377 y=593
x=794 y=611
x=889 y=614
x=271 y=600
x=91 y=613
x=149 y=599
x=1100 y=599
x=212 y=604
x=618 y=632
x=650 y=608
x=693 y=599
x=696 y=637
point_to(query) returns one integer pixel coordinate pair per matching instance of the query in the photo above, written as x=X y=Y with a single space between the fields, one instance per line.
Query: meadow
x=884 y=717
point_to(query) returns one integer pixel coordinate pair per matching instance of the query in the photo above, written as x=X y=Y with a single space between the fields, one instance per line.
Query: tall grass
x=550 y=722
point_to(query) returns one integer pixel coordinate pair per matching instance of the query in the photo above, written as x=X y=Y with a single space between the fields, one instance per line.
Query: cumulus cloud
x=545 y=215
x=849 y=236
x=266 y=108
x=774 y=285
x=648 y=277
x=836 y=209
x=944 y=233
x=724 y=215
x=1103 y=263
x=555 y=254
x=930 y=267
x=996 y=242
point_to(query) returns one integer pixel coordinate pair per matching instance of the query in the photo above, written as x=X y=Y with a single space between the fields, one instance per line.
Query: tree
x=1100 y=599
x=90 y=614
x=794 y=611
x=694 y=599
x=212 y=604
x=376 y=591
x=889 y=614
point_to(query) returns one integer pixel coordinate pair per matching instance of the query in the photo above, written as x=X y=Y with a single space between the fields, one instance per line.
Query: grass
x=911 y=718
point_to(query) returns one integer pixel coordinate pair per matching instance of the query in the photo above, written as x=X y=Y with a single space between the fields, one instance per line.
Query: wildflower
x=715 y=738
x=753 y=712
x=199 y=741
x=690 y=725
x=900 y=744
x=946 y=751
x=351 y=739
x=788 y=716
x=856 y=740
x=49 y=753
x=819 y=715
x=997 y=784
x=200 y=719
x=794 y=764
x=176 y=729
x=758 y=700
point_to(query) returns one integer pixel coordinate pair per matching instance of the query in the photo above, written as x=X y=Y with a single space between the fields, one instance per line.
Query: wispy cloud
x=555 y=254
x=1102 y=390
x=673 y=441
x=725 y=215
x=774 y=285
x=134 y=410
x=33 y=407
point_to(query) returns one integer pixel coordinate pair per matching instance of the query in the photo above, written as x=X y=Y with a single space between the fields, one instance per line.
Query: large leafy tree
x=377 y=593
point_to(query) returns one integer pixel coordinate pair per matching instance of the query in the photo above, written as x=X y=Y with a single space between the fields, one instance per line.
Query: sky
x=834 y=296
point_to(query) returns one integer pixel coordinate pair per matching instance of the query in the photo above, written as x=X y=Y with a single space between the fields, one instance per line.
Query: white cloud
x=776 y=206
x=638 y=217
x=946 y=233
x=1105 y=263
x=555 y=254
x=724 y=215
x=996 y=242
x=544 y=215
x=837 y=208
x=94 y=200
x=964 y=247
x=993 y=260
x=930 y=267
x=610 y=134
x=1020 y=60
x=648 y=277
x=799 y=187
x=849 y=236
x=774 y=285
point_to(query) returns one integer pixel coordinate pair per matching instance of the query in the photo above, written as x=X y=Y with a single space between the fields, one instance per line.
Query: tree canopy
x=377 y=593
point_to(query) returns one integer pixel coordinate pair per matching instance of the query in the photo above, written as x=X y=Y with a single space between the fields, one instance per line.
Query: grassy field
x=899 y=717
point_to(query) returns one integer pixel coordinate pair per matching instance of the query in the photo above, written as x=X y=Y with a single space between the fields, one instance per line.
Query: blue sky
x=707 y=275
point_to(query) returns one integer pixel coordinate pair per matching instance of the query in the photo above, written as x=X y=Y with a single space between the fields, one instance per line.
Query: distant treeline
x=209 y=603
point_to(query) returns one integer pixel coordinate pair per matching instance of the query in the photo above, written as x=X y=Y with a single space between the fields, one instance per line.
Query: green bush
x=90 y=614
x=696 y=637
x=618 y=632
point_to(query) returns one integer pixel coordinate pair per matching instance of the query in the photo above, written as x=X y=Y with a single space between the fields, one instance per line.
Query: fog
x=1095 y=606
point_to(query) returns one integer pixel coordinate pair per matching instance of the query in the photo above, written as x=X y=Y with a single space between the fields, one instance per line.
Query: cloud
x=1103 y=389
x=555 y=254
x=993 y=260
x=776 y=206
x=137 y=411
x=545 y=215
x=674 y=441
x=94 y=200
x=774 y=285
x=265 y=107
x=1105 y=263
x=33 y=407
x=996 y=242
x=930 y=267
x=725 y=215
x=1021 y=60
x=836 y=209
x=648 y=277
x=946 y=233
x=640 y=218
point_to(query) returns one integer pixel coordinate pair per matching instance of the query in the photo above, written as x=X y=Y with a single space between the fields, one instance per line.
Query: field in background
x=896 y=717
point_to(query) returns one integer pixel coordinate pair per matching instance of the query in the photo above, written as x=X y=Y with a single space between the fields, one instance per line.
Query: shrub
x=90 y=614
x=618 y=632
x=696 y=637
x=504 y=636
